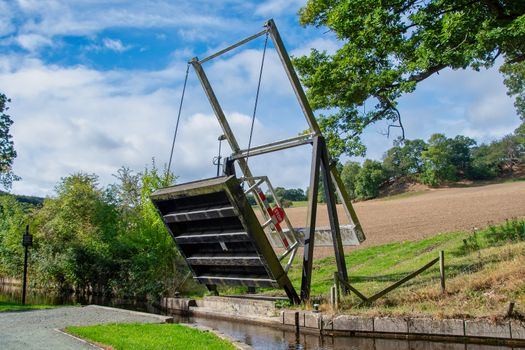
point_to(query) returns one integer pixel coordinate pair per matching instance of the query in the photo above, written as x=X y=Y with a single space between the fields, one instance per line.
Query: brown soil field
x=426 y=214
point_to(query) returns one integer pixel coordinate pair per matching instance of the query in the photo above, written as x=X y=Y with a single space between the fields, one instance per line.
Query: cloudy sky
x=95 y=85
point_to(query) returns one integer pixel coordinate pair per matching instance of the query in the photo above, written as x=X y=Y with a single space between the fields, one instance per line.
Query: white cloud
x=87 y=18
x=79 y=119
x=115 y=45
x=321 y=44
x=276 y=7
x=6 y=18
x=33 y=42
x=462 y=102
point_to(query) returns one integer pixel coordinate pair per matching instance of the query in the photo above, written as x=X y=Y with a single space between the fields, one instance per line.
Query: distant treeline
x=285 y=196
x=437 y=161
x=29 y=200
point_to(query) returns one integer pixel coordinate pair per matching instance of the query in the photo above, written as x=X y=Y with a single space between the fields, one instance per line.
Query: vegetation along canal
x=259 y=337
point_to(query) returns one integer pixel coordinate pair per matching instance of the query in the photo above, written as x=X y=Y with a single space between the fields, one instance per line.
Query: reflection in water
x=261 y=338
x=13 y=293
x=264 y=338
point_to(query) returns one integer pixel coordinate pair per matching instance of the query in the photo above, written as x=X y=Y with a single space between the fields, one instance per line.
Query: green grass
x=10 y=306
x=484 y=271
x=298 y=204
x=150 y=336
x=403 y=195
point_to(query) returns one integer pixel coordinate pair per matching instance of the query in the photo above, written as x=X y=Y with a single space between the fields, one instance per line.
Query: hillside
x=30 y=200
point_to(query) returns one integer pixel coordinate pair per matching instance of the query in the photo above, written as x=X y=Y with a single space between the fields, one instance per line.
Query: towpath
x=28 y=330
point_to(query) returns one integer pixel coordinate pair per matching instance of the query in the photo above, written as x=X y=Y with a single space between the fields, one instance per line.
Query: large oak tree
x=389 y=46
x=7 y=150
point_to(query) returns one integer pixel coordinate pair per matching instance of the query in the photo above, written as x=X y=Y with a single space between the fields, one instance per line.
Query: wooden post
x=337 y=286
x=510 y=309
x=442 y=270
x=333 y=298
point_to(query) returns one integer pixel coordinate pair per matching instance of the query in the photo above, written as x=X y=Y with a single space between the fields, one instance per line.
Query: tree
x=7 y=149
x=369 y=179
x=437 y=161
x=150 y=262
x=460 y=149
x=520 y=139
x=349 y=177
x=509 y=150
x=404 y=158
x=485 y=162
x=291 y=194
x=515 y=82
x=12 y=222
x=388 y=47
x=76 y=232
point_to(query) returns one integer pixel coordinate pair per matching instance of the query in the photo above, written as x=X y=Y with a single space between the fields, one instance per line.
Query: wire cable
x=178 y=117
x=257 y=97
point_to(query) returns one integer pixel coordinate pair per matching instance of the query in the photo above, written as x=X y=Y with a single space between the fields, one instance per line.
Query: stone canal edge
x=264 y=313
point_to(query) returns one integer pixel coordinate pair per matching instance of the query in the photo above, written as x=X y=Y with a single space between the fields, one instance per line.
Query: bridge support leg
x=212 y=289
x=320 y=161
x=309 y=237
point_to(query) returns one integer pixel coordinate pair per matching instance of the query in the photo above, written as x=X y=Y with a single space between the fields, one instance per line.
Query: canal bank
x=262 y=329
x=265 y=313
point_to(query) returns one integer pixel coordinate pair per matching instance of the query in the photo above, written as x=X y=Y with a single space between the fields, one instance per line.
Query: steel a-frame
x=320 y=166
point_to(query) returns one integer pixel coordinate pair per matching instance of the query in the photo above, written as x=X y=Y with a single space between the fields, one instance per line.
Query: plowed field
x=429 y=213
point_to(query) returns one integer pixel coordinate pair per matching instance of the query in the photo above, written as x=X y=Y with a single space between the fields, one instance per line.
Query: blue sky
x=95 y=85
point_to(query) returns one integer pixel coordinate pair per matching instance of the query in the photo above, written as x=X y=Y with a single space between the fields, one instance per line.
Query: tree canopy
x=388 y=47
x=7 y=149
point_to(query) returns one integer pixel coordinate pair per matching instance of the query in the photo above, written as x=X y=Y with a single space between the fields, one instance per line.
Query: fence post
x=442 y=270
x=337 y=286
x=333 y=298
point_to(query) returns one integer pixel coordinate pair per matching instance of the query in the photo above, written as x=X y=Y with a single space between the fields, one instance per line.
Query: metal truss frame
x=321 y=164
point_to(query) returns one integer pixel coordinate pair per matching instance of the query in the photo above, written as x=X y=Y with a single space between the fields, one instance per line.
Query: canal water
x=259 y=337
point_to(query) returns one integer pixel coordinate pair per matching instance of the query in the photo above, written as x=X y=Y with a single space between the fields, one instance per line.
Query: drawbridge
x=218 y=232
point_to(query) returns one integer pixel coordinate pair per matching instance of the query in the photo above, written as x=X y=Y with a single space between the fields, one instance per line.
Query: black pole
x=329 y=192
x=24 y=287
x=220 y=139
x=219 y=159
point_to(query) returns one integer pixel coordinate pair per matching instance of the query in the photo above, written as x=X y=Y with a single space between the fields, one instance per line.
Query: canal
x=259 y=337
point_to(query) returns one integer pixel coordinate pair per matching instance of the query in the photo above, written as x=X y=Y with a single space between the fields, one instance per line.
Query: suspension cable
x=257 y=97
x=178 y=117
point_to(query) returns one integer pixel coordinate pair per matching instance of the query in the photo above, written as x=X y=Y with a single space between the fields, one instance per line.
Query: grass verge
x=299 y=204
x=9 y=306
x=150 y=336
x=484 y=270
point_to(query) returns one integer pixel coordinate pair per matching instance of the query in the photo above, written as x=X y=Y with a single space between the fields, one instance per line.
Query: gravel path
x=29 y=330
